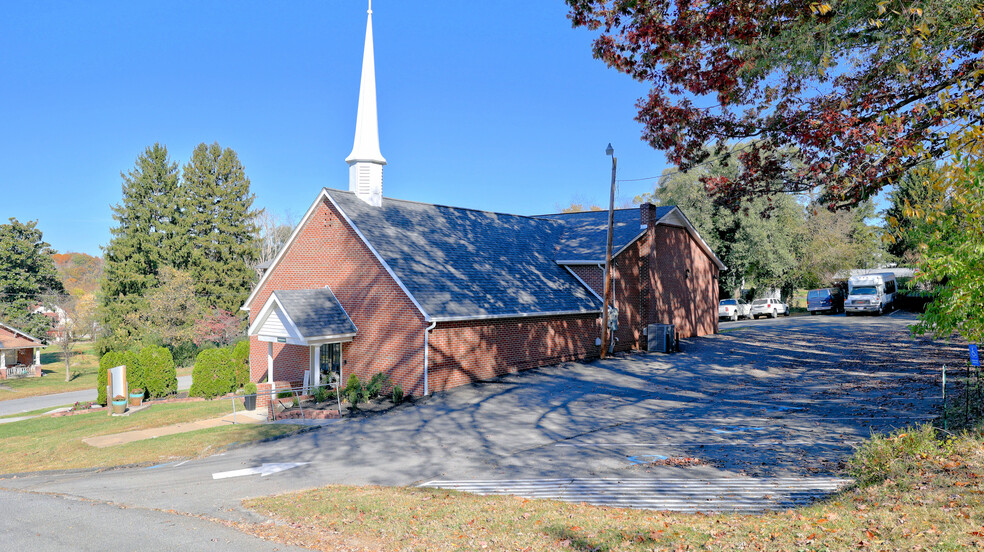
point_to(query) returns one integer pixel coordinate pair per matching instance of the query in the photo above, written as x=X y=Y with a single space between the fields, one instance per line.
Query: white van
x=870 y=293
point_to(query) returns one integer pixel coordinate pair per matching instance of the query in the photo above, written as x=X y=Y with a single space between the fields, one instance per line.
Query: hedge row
x=220 y=371
x=160 y=378
x=152 y=369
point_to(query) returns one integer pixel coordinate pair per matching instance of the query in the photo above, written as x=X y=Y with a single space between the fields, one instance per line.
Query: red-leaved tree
x=841 y=97
x=218 y=326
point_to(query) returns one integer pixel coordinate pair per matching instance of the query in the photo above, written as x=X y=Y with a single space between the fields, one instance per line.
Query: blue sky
x=491 y=105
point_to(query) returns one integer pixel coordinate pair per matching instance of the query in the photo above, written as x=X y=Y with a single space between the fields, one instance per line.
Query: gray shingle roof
x=465 y=263
x=586 y=233
x=315 y=312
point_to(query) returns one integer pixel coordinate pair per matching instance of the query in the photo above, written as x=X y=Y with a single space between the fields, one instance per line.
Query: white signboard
x=118 y=377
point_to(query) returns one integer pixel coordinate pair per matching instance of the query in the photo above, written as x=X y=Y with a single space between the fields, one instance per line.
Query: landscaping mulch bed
x=329 y=409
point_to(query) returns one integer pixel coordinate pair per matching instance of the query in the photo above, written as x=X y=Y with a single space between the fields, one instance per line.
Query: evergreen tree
x=142 y=243
x=910 y=230
x=217 y=227
x=27 y=272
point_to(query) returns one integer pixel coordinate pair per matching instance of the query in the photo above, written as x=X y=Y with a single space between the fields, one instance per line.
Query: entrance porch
x=310 y=318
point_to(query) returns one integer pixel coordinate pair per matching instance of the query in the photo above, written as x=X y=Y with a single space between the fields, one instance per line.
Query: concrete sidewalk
x=103 y=441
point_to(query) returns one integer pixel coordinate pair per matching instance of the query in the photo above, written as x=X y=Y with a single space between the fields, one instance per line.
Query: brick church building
x=436 y=296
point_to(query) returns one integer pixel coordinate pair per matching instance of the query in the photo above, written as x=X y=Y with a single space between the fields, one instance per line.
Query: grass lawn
x=919 y=494
x=85 y=366
x=48 y=443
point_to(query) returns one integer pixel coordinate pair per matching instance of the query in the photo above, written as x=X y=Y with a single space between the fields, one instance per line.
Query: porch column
x=3 y=359
x=316 y=374
x=37 y=357
x=269 y=362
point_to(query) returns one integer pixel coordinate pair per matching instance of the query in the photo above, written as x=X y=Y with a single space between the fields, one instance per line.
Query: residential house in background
x=20 y=354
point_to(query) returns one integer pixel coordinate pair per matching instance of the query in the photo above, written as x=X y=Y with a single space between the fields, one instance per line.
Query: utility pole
x=608 y=256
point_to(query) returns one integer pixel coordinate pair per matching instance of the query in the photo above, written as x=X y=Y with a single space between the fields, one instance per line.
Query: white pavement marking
x=262 y=471
x=714 y=443
x=740 y=494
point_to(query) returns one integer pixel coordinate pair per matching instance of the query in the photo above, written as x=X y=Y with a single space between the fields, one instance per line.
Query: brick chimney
x=647 y=213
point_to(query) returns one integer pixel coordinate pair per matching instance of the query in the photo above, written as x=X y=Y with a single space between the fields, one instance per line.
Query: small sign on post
x=975 y=359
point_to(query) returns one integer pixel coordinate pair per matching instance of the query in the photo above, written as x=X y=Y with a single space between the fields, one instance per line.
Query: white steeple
x=366 y=162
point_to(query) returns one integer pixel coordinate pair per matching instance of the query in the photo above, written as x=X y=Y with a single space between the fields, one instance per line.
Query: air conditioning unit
x=661 y=338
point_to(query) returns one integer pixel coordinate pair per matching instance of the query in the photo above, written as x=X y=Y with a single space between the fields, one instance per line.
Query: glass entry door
x=331 y=362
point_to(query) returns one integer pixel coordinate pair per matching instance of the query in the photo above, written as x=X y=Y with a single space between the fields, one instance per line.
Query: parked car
x=825 y=300
x=733 y=309
x=769 y=307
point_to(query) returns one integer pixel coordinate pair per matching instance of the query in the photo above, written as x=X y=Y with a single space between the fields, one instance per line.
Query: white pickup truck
x=733 y=309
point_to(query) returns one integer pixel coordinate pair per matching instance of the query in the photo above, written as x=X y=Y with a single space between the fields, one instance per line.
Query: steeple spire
x=366 y=161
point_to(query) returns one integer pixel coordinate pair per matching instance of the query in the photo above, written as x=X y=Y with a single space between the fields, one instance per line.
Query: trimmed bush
x=354 y=392
x=397 y=394
x=214 y=373
x=113 y=359
x=240 y=353
x=160 y=377
x=376 y=384
x=322 y=394
x=249 y=388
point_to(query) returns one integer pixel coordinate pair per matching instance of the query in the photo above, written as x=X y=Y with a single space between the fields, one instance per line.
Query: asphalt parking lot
x=785 y=400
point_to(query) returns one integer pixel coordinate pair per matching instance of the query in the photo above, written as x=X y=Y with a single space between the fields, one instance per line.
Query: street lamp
x=609 y=151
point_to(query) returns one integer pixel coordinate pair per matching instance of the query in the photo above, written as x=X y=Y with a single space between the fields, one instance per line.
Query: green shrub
x=113 y=359
x=893 y=456
x=397 y=394
x=250 y=388
x=322 y=394
x=285 y=394
x=240 y=353
x=214 y=373
x=376 y=384
x=354 y=392
x=160 y=378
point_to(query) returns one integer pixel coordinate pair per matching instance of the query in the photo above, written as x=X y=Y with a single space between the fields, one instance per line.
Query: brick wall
x=462 y=352
x=684 y=284
x=592 y=275
x=627 y=294
x=627 y=299
x=391 y=329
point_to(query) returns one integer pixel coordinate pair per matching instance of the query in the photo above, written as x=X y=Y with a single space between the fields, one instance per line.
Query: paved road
x=28 y=404
x=50 y=522
x=785 y=398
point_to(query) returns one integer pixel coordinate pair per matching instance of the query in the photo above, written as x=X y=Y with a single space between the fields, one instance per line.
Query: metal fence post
x=944 y=397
